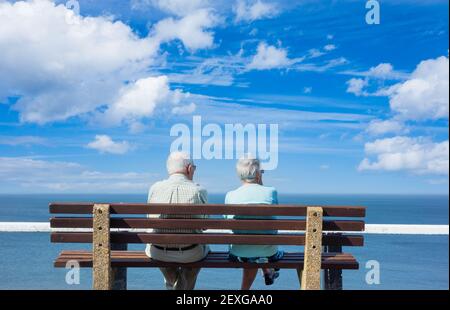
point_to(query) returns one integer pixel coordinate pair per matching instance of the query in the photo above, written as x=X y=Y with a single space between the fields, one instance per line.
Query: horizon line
x=222 y=193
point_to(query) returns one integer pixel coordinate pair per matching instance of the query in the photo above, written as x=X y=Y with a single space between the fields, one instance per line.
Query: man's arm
x=151 y=191
x=203 y=195
x=203 y=198
x=149 y=199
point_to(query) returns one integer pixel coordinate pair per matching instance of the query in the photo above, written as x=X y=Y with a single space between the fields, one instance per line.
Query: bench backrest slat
x=251 y=224
x=279 y=239
x=209 y=209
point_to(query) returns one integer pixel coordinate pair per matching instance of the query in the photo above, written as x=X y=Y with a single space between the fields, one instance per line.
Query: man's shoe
x=270 y=278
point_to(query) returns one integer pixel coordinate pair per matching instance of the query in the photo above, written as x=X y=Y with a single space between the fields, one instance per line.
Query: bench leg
x=313 y=249
x=119 y=274
x=333 y=277
x=101 y=249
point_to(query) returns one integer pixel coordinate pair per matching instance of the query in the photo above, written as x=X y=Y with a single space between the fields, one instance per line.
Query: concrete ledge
x=388 y=229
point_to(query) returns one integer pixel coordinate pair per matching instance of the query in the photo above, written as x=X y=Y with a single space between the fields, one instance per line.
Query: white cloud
x=329 y=47
x=176 y=7
x=425 y=95
x=212 y=71
x=18 y=174
x=192 y=29
x=314 y=53
x=314 y=67
x=22 y=140
x=217 y=75
x=104 y=144
x=356 y=86
x=62 y=68
x=225 y=70
x=187 y=109
x=380 y=127
x=218 y=112
x=192 y=25
x=251 y=10
x=269 y=57
x=140 y=99
x=417 y=155
x=382 y=71
x=307 y=90
x=14 y=167
x=253 y=32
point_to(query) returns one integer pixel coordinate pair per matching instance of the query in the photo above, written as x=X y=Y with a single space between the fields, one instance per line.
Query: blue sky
x=87 y=100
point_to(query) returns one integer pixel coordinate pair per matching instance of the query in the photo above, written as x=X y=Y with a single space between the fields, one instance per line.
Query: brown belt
x=190 y=247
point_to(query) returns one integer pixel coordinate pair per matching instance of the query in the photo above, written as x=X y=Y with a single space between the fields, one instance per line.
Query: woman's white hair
x=177 y=162
x=248 y=167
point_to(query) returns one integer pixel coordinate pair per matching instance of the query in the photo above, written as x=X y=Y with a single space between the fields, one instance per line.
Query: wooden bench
x=110 y=227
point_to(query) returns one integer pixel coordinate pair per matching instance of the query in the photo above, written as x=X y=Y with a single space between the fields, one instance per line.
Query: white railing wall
x=391 y=229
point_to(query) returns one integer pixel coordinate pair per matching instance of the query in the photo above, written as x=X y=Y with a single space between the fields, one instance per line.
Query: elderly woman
x=252 y=191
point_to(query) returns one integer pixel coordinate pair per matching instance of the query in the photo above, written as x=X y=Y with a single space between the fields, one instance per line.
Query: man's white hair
x=247 y=167
x=177 y=162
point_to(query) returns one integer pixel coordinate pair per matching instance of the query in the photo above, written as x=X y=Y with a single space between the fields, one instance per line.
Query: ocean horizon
x=406 y=261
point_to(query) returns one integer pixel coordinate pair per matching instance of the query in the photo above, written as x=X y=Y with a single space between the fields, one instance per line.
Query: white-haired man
x=178 y=188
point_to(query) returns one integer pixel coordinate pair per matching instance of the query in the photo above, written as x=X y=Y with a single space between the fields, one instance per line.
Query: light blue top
x=252 y=194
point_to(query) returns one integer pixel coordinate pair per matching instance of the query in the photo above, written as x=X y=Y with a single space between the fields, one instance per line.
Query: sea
x=389 y=262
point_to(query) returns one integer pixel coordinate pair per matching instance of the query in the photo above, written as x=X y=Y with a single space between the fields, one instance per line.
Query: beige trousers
x=180 y=278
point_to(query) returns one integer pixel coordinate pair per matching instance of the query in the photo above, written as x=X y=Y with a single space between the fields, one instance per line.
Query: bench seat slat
x=211 y=257
x=279 y=239
x=208 y=209
x=213 y=260
x=252 y=224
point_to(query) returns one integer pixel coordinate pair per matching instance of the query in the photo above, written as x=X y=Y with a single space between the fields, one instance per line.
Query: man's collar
x=178 y=176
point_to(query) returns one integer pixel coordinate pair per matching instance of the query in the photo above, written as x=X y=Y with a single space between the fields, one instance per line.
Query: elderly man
x=178 y=188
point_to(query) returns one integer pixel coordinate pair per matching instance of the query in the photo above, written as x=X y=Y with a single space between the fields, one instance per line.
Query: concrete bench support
x=101 y=248
x=313 y=249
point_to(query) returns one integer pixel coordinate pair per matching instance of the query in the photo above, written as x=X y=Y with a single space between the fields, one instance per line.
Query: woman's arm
x=274 y=196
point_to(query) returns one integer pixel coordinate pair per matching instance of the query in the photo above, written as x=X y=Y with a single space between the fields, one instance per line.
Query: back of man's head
x=177 y=162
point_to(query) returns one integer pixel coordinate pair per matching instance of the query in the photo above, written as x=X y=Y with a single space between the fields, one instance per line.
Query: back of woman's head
x=248 y=168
